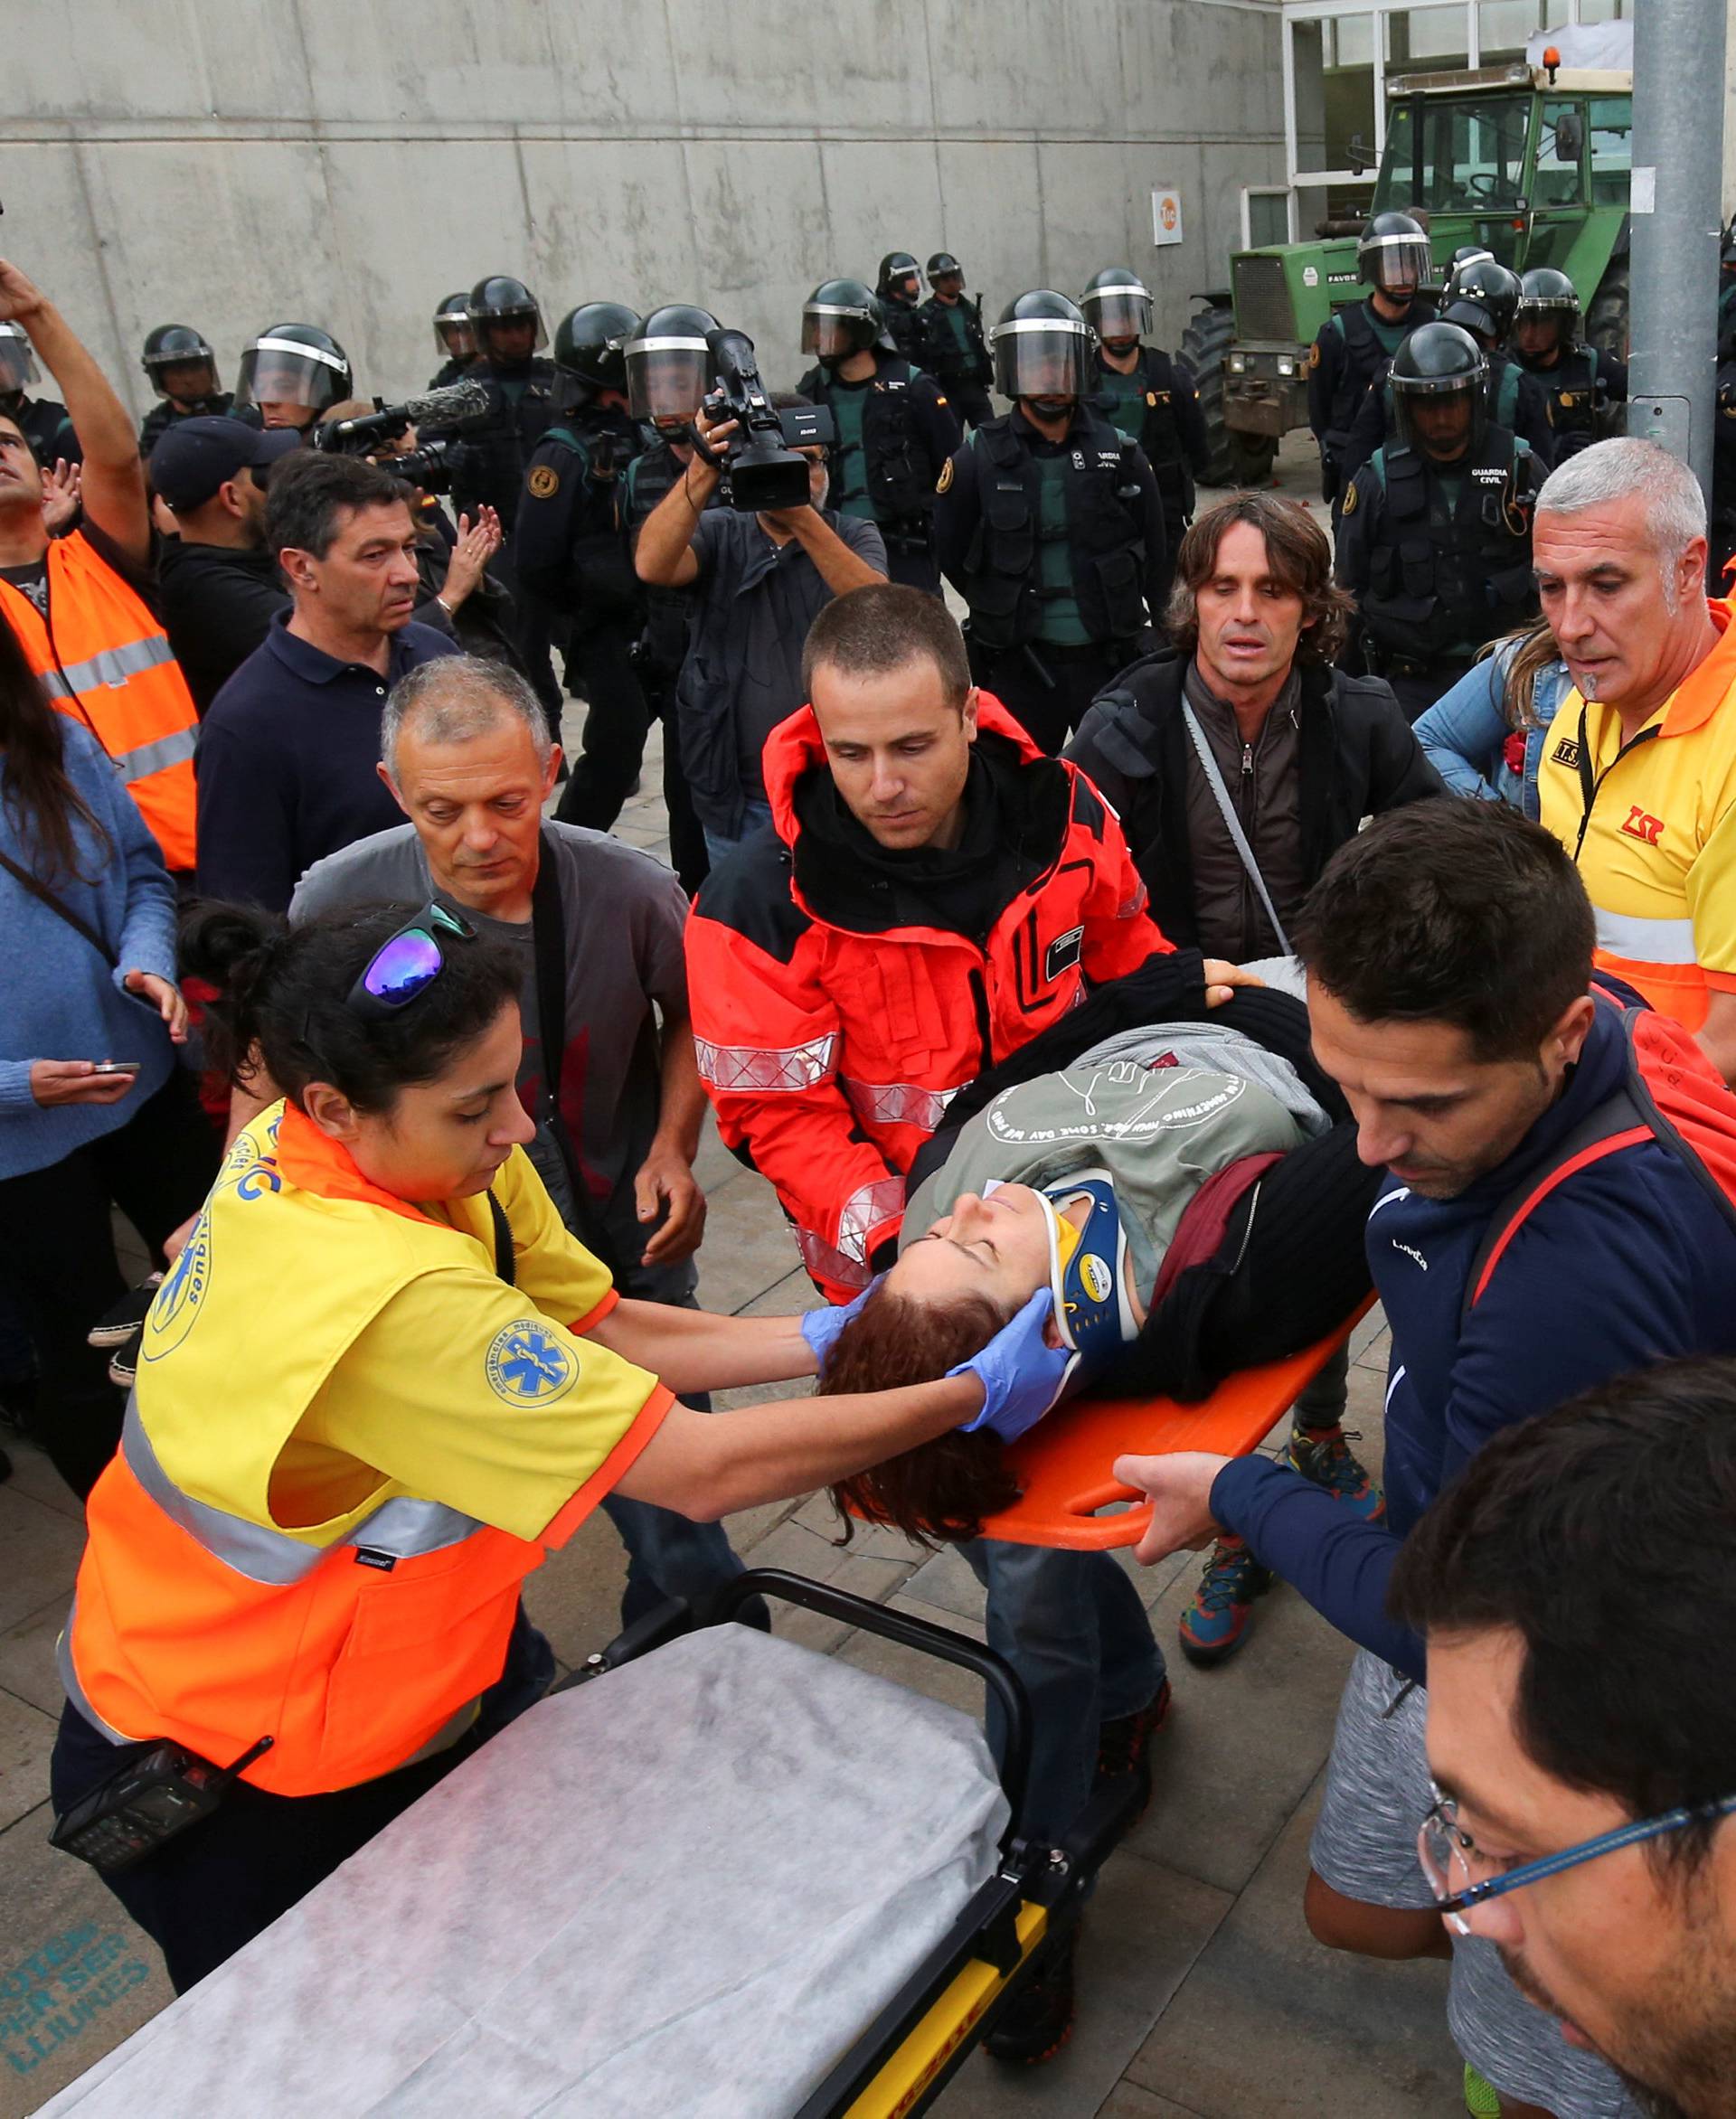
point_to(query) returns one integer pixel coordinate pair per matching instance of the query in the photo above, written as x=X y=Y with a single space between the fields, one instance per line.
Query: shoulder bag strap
x=549 y=941
x=1233 y=822
x=58 y=905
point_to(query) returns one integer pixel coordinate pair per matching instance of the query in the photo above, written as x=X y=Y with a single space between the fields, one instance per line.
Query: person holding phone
x=94 y=1111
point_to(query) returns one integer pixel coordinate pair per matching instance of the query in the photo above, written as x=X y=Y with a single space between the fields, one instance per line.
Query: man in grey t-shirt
x=467 y=755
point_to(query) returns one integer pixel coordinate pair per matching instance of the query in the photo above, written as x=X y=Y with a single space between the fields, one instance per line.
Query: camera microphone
x=465 y=399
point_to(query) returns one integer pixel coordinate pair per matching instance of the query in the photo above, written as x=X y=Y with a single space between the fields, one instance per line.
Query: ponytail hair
x=282 y=996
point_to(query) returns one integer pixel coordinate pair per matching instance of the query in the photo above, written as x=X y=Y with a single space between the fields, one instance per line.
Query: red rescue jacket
x=830 y=1044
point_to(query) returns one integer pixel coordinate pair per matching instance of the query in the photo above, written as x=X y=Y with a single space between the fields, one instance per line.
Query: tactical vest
x=650 y=479
x=941 y=355
x=605 y=443
x=1364 y=358
x=1159 y=436
x=1441 y=582
x=896 y=465
x=1105 y=534
x=1572 y=389
x=497 y=444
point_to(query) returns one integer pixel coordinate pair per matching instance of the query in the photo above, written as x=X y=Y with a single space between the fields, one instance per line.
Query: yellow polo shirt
x=1656 y=843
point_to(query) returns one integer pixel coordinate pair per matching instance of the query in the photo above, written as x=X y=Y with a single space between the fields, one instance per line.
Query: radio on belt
x=152 y=1799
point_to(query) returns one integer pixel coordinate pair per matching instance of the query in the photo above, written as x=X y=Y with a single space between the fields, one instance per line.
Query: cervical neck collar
x=1088 y=1269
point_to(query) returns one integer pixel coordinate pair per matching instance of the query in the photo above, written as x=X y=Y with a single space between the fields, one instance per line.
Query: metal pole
x=1676 y=206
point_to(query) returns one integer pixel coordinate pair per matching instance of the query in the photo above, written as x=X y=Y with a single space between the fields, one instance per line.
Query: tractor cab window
x=1560 y=156
x=1453 y=156
x=1612 y=149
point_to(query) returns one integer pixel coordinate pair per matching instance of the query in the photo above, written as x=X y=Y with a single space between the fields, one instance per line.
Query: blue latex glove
x=1021 y=1373
x=821 y=1327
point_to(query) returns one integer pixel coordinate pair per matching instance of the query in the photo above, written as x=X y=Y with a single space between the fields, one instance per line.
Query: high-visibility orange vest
x=106 y=661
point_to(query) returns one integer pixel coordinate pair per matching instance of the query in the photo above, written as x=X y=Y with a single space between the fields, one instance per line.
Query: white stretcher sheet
x=681 y=1890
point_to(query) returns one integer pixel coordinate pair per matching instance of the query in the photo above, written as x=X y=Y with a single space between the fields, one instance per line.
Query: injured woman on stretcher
x=1185 y=1184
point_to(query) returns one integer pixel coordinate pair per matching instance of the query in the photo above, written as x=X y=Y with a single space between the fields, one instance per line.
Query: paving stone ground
x=1202 y=1995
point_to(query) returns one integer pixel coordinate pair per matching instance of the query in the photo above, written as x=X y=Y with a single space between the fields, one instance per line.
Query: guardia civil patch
x=544 y=482
x=944 y=482
x=1349 y=507
x=527 y=1365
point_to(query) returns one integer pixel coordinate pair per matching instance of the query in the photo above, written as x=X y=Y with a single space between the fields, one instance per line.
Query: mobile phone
x=116 y=1067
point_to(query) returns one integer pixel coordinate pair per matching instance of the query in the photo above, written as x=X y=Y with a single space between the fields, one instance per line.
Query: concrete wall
x=236 y=163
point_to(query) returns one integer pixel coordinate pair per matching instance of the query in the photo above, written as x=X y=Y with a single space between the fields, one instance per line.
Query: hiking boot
x=1322 y=1456
x=1038 y=2019
x=1214 y=1626
x=1121 y=1749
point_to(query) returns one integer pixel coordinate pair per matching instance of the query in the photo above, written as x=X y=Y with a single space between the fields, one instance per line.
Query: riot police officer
x=291 y=373
x=668 y=372
x=570 y=548
x=899 y=286
x=1723 y=473
x=1050 y=525
x=183 y=371
x=43 y=421
x=952 y=348
x=507 y=325
x=1580 y=382
x=455 y=340
x=1145 y=394
x=1394 y=263
x=1482 y=297
x=894 y=429
x=1434 y=539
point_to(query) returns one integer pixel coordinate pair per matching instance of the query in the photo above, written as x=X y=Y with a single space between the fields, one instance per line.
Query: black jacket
x=217 y=608
x=1359 y=758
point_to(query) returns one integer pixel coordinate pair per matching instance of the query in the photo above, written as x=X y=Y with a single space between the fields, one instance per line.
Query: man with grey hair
x=1638 y=775
x=614 y=1088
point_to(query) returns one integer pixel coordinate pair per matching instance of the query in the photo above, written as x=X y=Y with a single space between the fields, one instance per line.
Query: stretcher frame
x=1069 y=1497
x=898 y=2064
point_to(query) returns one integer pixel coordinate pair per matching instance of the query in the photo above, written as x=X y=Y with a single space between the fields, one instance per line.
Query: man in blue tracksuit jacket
x=1536 y=1236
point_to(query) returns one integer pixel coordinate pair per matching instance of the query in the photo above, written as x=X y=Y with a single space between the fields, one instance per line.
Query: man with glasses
x=1583 y=1766
x=1557 y=1212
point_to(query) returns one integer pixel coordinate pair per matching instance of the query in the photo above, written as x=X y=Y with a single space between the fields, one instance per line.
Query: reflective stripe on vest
x=765 y=1069
x=1645 y=941
x=897 y=1103
x=106 y=661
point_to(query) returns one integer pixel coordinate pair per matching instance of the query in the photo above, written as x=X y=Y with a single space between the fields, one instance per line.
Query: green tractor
x=1531 y=163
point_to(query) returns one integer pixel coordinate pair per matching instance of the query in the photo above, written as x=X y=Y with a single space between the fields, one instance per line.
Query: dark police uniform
x=1516 y=401
x=451 y=372
x=1439 y=560
x=1154 y=405
x=1058 y=549
x=1352 y=347
x=952 y=349
x=650 y=478
x=904 y=321
x=1723 y=475
x=570 y=548
x=1583 y=381
x=162 y=415
x=46 y=426
x=895 y=433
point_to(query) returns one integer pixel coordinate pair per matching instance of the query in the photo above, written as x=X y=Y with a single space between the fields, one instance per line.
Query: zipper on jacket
x=985 y=1032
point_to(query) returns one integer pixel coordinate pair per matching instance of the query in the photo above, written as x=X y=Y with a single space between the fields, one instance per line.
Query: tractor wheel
x=1205 y=343
x=1605 y=321
x=1252 y=456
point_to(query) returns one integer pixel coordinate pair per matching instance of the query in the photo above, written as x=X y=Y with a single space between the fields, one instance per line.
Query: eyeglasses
x=408 y=963
x=1447 y=1854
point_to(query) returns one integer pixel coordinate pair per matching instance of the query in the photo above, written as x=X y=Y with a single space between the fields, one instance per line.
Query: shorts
x=1364 y=1846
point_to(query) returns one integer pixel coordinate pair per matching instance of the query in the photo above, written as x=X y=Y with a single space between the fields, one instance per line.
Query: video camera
x=433 y=466
x=760 y=470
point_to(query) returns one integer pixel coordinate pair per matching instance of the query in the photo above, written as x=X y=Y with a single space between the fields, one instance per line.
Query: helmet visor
x=17 y=362
x=502 y=332
x=667 y=378
x=1440 y=416
x=1118 y=312
x=187 y=376
x=282 y=371
x=830 y=333
x=1041 y=356
x=455 y=337
x=1395 y=264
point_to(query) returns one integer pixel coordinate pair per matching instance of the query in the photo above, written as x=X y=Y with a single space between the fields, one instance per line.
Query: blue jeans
x=1072 y=1627
x=756 y=816
x=667 y=1554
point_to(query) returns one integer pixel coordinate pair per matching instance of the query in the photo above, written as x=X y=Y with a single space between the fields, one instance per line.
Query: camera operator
x=759 y=579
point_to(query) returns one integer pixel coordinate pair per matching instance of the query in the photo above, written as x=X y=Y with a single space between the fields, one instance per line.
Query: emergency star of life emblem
x=527 y=1365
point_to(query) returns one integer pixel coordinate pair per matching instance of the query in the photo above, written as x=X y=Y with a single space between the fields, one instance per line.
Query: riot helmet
x=840 y=317
x=1547 y=297
x=295 y=365
x=1484 y=298
x=669 y=365
x=1041 y=347
x=1116 y=304
x=176 y=345
x=1467 y=254
x=901 y=280
x=455 y=337
x=591 y=344
x=17 y=359
x=1439 y=401
x=498 y=301
x=943 y=265
x=1393 y=256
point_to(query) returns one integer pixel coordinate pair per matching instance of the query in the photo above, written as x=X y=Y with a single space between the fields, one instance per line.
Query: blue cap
x=195 y=457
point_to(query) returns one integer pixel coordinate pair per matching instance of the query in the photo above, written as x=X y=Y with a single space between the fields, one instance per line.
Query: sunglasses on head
x=408 y=963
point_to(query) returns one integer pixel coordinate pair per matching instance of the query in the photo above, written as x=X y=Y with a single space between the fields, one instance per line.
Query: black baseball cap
x=195 y=457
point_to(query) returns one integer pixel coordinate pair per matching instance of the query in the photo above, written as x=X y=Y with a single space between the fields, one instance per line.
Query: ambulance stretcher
x=733 y=1879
